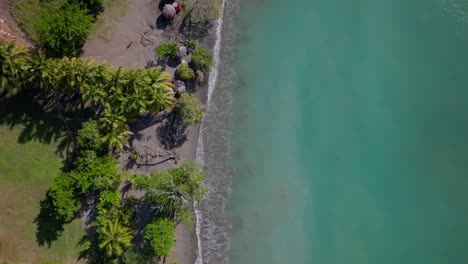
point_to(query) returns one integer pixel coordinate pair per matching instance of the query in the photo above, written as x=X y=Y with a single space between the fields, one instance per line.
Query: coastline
x=136 y=28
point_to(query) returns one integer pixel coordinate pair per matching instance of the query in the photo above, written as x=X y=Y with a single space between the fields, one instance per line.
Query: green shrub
x=64 y=197
x=89 y=137
x=184 y=72
x=190 y=109
x=200 y=76
x=65 y=31
x=191 y=43
x=174 y=190
x=134 y=155
x=202 y=59
x=160 y=236
x=107 y=207
x=100 y=174
x=168 y=49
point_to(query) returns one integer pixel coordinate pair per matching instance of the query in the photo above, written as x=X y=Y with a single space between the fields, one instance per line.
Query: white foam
x=213 y=78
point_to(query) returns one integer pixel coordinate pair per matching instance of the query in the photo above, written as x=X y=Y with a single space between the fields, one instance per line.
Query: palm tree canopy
x=115 y=239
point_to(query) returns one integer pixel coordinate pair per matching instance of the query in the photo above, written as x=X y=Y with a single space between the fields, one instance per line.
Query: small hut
x=169 y=12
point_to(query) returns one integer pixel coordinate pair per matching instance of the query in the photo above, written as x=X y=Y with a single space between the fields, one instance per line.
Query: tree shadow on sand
x=173 y=132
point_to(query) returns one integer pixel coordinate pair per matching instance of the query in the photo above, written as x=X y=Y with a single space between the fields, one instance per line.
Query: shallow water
x=338 y=132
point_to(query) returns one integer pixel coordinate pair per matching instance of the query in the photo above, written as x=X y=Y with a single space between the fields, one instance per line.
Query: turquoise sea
x=338 y=133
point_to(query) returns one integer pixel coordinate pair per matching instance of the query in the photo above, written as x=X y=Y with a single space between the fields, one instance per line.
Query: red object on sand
x=179 y=7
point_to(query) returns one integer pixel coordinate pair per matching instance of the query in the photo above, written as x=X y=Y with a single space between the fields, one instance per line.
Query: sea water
x=338 y=133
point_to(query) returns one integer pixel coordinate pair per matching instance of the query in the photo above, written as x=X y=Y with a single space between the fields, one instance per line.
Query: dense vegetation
x=184 y=72
x=167 y=49
x=190 y=109
x=107 y=99
x=62 y=33
x=115 y=95
x=202 y=59
x=61 y=27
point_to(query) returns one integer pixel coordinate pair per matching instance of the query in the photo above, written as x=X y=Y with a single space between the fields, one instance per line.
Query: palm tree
x=14 y=63
x=116 y=132
x=160 y=89
x=115 y=239
x=96 y=94
x=135 y=90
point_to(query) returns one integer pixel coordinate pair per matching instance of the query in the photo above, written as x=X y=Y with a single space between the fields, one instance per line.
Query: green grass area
x=107 y=22
x=26 y=171
x=28 y=13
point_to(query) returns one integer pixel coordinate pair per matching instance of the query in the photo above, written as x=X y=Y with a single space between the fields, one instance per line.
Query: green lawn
x=26 y=171
x=28 y=12
x=107 y=21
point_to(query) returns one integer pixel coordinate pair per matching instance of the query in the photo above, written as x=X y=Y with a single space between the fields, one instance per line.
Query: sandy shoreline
x=133 y=45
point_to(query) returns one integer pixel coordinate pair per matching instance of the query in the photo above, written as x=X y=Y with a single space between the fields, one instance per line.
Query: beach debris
x=5 y=32
x=148 y=38
x=179 y=87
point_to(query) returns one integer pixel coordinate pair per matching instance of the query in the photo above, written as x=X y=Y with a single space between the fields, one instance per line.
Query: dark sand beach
x=133 y=44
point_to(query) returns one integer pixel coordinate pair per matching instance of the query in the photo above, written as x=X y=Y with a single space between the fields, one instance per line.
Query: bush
x=101 y=174
x=160 y=236
x=65 y=31
x=191 y=43
x=64 y=198
x=202 y=59
x=168 y=49
x=89 y=137
x=200 y=76
x=190 y=109
x=107 y=207
x=184 y=72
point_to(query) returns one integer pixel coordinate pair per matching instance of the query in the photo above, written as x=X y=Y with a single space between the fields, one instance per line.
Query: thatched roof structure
x=169 y=11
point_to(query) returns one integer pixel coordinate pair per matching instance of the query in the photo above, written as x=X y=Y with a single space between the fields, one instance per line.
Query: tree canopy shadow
x=173 y=132
x=49 y=228
x=42 y=119
x=196 y=30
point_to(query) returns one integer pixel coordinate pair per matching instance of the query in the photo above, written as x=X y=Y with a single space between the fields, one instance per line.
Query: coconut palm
x=51 y=74
x=38 y=65
x=116 y=132
x=116 y=88
x=135 y=88
x=160 y=89
x=115 y=239
x=14 y=63
x=97 y=93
